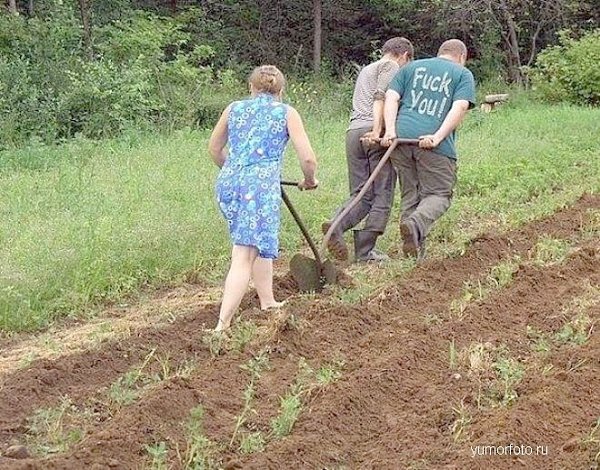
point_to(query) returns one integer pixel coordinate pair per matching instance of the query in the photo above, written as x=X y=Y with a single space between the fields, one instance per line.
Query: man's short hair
x=398 y=46
x=453 y=47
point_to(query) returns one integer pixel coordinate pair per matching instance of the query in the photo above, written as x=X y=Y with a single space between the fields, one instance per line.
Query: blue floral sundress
x=247 y=187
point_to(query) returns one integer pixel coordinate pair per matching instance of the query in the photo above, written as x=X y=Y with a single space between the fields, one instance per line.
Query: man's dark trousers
x=376 y=205
x=427 y=180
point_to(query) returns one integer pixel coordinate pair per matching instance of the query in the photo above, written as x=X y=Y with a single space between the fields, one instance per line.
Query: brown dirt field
x=395 y=405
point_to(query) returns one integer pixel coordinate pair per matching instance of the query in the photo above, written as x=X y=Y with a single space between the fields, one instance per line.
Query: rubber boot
x=364 y=246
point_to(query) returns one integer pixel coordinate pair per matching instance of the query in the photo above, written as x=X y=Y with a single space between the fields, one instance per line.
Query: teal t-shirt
x=427 y=89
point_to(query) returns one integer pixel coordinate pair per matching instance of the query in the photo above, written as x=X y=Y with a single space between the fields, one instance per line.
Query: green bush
x=147 y=72
x=569 y=71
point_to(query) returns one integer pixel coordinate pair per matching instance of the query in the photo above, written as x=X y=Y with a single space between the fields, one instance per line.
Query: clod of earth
x=17 y=452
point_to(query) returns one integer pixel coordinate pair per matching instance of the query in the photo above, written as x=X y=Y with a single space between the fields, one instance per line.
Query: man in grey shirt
x=366 y=120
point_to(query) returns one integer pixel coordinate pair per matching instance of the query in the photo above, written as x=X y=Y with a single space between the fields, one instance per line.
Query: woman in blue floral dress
x=248 y=144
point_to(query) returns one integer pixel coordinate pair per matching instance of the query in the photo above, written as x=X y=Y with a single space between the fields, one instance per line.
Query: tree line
x=333 y=36
x=94 y=68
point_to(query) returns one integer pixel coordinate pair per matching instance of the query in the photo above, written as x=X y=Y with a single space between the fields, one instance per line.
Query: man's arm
x=375 y=133
x=390 y=112
x=454 y=117
x=387 y=71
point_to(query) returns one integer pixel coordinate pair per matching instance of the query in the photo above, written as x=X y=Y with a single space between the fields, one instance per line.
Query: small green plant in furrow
x=158 y=454
x=577 y=331
x=549 y=251
x=592 y=442
x=539 y=341
x=242 y=334
x=131 y=385
x=290 y=405
x=252 y=442
x=48 y=431
x=461 y=424
x=255 y=366
x=201 y=453
x=510 y=372
x=125 y=391
x=499 y=276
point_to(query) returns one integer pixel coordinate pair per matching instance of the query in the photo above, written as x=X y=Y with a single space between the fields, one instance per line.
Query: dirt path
x=395 y=404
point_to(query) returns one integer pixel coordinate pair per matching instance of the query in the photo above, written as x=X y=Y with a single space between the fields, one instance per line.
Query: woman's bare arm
x=218 y=139
x=306 y=155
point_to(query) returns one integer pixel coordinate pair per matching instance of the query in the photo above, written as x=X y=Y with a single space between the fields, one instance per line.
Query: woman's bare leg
x=236 y=284
x=262 y=277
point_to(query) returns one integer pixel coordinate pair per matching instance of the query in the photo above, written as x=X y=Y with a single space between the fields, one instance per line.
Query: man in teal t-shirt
x=433 y=95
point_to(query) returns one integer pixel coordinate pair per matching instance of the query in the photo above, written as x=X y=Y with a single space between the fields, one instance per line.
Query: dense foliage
x=570 y=71
x=145 y=72
x=97 y=68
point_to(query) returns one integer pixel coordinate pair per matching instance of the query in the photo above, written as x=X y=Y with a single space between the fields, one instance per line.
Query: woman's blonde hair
x=267 y=79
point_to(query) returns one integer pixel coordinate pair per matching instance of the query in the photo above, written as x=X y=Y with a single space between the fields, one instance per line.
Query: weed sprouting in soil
x=131 y=385
x=122 y=392
x=539 y=341
x=590 y=225
x=355 y=295
x=499 y=276
x=167 y=371
x=290 y=407
x=459 y=427
x=27 y=360
x=329 y=373
x=495 y=371
x=371 y=278
x=254 y=366
x=502 y=274
x=158 y=454
x=216 y=342
x=577 y=326
x=165 y=367
x=549 y=251
x=50 y=343
x=295 y=322
x=452 y=355
x=471 y=291
x=243 y=333
x=101 y=333
x=48 y=432
x=201 y=453
x=577 y=331
x=510 y=372
x=307 y=379
x=433 y=319
x=592 y=442
x=125 y=391
x=252 y=442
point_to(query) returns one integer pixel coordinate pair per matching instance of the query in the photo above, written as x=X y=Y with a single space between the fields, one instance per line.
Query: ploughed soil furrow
x=394 y=401
x=161 y=415
x=536 y=298
x=555 y=410
x=80 y=375
x=428 y=289
x=396 y=409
